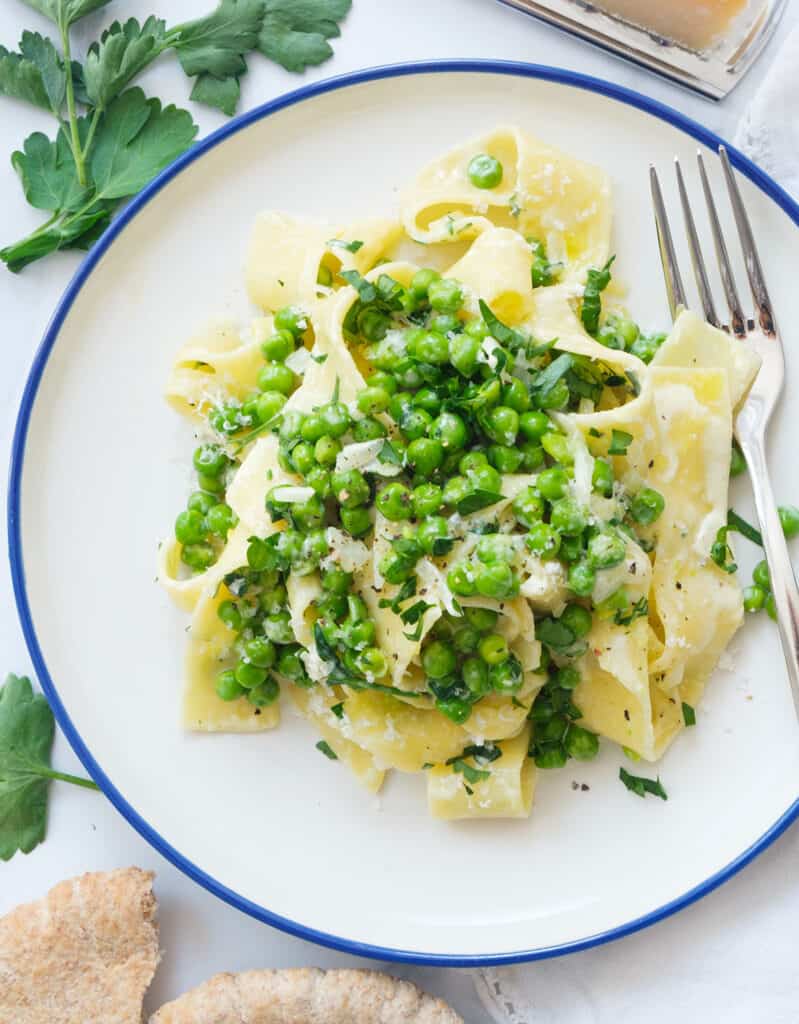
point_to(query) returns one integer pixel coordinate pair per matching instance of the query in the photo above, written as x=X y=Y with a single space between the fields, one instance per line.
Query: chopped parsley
x=641 y=786
x=324 y=748
x=620 y=441
x=688 y=714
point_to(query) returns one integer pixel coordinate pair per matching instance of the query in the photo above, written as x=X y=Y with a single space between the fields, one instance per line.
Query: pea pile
x=202 y=528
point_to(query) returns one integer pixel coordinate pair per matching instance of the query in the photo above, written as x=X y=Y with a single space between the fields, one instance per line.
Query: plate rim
x=560 y=76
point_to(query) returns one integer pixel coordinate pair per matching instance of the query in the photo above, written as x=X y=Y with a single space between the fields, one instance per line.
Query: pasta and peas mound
x=453 y=502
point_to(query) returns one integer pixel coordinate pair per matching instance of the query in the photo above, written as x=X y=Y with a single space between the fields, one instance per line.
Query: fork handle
x=783 y=581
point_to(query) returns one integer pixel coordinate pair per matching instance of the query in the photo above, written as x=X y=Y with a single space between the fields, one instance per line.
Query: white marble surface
x=730 y=957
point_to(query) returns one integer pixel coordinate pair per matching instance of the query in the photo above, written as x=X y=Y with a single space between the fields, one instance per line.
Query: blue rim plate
x=622 y=95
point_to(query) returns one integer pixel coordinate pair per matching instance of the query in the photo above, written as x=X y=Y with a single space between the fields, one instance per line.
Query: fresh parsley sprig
x=26 y=738
x=112 y=140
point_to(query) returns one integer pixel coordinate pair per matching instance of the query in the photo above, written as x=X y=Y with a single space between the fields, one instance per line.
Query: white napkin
x=769 y=129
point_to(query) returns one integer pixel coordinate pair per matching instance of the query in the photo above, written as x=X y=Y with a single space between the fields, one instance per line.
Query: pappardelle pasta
x=452 y=502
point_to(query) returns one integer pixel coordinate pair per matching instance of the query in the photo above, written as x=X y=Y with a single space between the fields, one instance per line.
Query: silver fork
x=752 y=420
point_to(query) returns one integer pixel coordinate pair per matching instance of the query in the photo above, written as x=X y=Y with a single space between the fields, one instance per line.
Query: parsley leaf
x=47 y=173
x=638 y=611
x=620 y=441
x=472 y=775
x=388 y=454
x=324 y=747
x=222 y=93
x=688 y=714
x=122 y=52
x=295 y=32
x=596 y=282
x=641 y=786
x=136 y=139
x=217 y=43
x=26 y=737
x=36 y=74
x=65 y=12
x=476 y=500
x=338 y=709
x=501 y=332
x=339 y=243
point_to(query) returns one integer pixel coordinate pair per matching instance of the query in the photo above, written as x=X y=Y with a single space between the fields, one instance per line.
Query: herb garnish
x=641 y=786
x=339 y=243
x=324 y=748
x=620 y=441
x=596 y=282
x=638 y=611
x=26 y=738
x=721 y=553
x=476 y=500
x=740 y=525
x=112 y=140
x=338 y=709
x=688 y=714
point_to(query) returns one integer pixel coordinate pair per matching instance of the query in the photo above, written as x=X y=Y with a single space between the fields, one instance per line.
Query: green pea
x=606 y=550
x=426 y=500
x=557 y=397
x=399 y=404
x=460 y=580
x=278 y=628
x=383 y=380
x=358 y=635
x=227 y=687
x=472 y=461
x=336 y=418
x=309 y=515
x=528 y=507
x=372 y=400
x=229 y=613
x=315 y=547
x=501 y=424
x=319 y=478
x=394 y=501
x=465 y=639
x=761 y=575
x=485 y=478
x=532 y=456
x=368 y=429
x=201 y=501
x=336 y=581
x=331 y=608
x=260 y=652
x=789 y=517
x=221 y=519
x=516 y=396
x=463 y=353
x=291 y=318
x=210 y=460
x=356 y=521
x=602 y=478
x=496 y=579
x=456 y=710
x=551 y=483
x=771 y=607
x=425 y=455
x=288 y=547
x=646 y=346
x=421 y=281
x=542 y=540
x=212 y=484
x=567 y=517
x=456 y=488
x=495 y=547
x=248 y=675
x=190 y=527
x=264 y=694
x=276 y=377
x=475 y=676
x=581 y=744
x=438 y=660
x=268 y=405
x=577 y=619
x=292 y=425
x=557 y=447
x=430 y=347
x=350 y=488
x=372 y=663
x=567 y=677
x=551 y=757
x=274 y=599
x=505 y=459
x=431 y=533
x=429 y=400
x=290 y=663
x=482 y=619
x=754 y=598
x=648 y=504
x=450 y=430
x=493 y=649
x=534 y=425
x=582 y=578
x=445 y=295
x=571 y=548
x=373 y=323
x=326 y=450
x=737 y=461
x=302 y=457
x=444 y=323
x=386 y=354
x=278 y=346
x=506 y=677
x=414 y=423
x=485 y=171
x=477 y=328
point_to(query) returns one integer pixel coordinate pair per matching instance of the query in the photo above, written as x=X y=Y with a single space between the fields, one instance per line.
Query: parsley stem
x=64 y=777
x=92 y=128
x=80 y=166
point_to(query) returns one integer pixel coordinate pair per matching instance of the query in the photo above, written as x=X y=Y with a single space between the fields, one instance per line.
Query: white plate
x=100 y=470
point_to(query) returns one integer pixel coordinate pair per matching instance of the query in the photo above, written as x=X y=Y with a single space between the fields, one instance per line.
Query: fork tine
x=754 y=269
x=668 y=257
x=737 y=319
x=697 y=261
